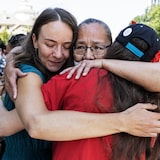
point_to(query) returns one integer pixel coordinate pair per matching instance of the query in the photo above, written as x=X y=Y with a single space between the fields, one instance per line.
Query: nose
x=57 y=52
x=89 y=54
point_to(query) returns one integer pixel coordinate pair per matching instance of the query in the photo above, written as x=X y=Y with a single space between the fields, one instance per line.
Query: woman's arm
x=9 y=121
x=70 y=125
x=146 y=74
x=11 y=73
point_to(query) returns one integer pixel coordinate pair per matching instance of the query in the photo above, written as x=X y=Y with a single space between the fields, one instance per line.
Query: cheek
x=77 y=58
x=105 y=55
x=43 y=53
x=66 y=54
x=101 y=56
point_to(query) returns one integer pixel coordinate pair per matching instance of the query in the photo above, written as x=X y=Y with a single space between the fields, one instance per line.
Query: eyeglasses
x=97 y=49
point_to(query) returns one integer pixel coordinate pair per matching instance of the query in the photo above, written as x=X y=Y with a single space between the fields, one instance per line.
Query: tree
x=151 y=17
x=4 y=36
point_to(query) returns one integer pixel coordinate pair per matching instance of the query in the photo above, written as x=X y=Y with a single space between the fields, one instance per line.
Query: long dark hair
x=125 y=95
x=28 y=53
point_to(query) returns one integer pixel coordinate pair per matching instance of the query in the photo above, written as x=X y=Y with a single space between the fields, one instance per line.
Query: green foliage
x=4 y=36
x=151 y=17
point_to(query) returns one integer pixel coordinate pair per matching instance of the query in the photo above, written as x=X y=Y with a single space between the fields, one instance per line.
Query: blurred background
x=17 y=16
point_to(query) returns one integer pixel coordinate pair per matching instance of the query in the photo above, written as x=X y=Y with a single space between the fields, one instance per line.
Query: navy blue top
x=21 y=146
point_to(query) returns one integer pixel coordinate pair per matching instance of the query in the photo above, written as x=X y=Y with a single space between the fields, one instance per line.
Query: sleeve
x=24 y=68
x=28 y=68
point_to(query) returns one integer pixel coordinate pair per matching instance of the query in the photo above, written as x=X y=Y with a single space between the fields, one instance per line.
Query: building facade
x=19 y=22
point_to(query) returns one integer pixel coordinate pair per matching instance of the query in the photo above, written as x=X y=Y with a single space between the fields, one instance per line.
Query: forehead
x=93 y=30
x=56 y=30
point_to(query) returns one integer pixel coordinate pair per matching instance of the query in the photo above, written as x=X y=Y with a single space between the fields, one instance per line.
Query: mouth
x=55 y=63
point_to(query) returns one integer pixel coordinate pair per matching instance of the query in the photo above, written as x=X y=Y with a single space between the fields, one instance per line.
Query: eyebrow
x=93 y=42
x=55 y=41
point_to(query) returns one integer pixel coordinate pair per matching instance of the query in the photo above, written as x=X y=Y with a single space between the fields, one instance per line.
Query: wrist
x=102 y=65
x=122 y=119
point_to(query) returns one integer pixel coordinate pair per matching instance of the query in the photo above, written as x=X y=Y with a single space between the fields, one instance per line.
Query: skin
x=53 y=45
x=130 y=70
x=140 y=121
x=53 y=54
x=8 y=48
x=88 y=36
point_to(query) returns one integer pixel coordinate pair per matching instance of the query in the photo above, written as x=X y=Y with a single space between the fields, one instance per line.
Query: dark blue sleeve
x=28 y=68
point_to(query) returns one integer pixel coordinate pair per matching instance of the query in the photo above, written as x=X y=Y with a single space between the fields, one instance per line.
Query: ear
x=34 y=39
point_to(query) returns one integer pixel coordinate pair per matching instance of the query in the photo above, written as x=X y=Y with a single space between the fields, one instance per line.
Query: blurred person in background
x=2 y=57
x=15 y=40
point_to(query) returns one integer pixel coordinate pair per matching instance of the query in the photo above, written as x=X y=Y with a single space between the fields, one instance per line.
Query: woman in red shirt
x=103 y=92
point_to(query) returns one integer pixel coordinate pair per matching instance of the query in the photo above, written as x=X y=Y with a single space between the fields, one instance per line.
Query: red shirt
x=81 y=95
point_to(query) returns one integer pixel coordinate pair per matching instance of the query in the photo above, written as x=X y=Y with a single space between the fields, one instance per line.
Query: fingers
x=153 y=141
x=86 y=70
x=80 y=70
x=20 y=73
x=143 y=134
x=71 y=72
x=141 y=121
x=66 y=70
x=13 y=83
x=148 y=106
x=86 y=65
x=147 y=131
x=14 y=92
x=12 y=87
x=10 y=82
